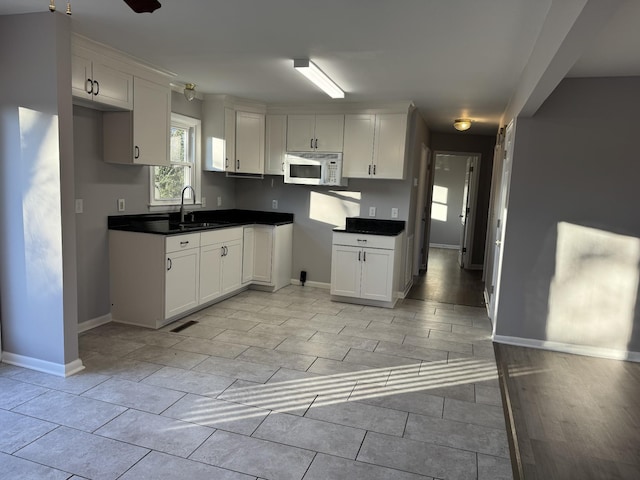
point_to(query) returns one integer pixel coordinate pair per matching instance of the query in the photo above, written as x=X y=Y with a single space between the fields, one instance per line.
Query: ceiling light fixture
x=190 y=91
x=462 y=124
x=310 y=70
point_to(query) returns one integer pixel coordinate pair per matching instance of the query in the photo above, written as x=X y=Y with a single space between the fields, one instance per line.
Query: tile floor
x=271 y=386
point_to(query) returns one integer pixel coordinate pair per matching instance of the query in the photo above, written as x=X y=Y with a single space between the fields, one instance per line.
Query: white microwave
x=310 y=168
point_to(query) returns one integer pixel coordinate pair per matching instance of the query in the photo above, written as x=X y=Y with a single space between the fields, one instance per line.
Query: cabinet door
x=263 y=248
x=388 y=151
x=249 y=142
x=329 y=133
x=210 y=272
x=300 y=133
x=276 y=144
x=81 y=77
x=229 y=140
x=358 y=145
x=112 y=87
x=181 y=281
x=151 y=123
x=248 y=245
x=232 y=267
x=346 y=270
x=377 y=274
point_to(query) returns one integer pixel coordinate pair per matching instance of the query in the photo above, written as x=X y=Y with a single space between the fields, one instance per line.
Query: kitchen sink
x=197 y=225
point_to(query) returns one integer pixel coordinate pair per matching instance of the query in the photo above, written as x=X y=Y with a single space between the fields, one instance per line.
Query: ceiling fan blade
x=143 y=6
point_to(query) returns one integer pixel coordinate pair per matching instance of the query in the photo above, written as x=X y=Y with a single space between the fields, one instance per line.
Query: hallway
x=446 y=282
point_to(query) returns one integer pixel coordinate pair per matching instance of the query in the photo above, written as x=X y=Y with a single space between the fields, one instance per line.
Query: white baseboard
x=403 y=294
x=58 y=369
x=569 y=348
x=94 y=322
x=311 y=283
x=444 y=245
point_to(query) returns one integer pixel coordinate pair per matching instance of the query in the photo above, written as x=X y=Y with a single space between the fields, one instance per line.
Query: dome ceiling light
x=462 y=124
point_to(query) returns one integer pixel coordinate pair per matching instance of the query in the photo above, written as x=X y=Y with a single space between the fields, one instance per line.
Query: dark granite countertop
x=169 y=223
x=372 y=226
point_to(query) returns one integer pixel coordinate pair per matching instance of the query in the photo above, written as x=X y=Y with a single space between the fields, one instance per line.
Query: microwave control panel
x=332 y=173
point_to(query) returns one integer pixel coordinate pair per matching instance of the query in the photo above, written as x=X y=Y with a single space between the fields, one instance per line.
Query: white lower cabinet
x=365 y=267
x=155 y=279
x=181 y=282
x=267 y=259
x=220 y=263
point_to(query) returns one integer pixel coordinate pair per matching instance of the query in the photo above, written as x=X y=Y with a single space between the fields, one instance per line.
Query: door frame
x=420 y=223
x=473 y=200
x=501 y=221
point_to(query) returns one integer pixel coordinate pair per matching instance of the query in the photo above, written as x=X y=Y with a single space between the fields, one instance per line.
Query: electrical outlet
x=394 y=213
x=121 y=204
x=274 y=204
x=203 y=200
x=219 y=201
x=372 y=211
x=79 y=205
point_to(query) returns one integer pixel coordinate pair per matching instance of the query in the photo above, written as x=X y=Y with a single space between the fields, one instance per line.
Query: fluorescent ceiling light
x=317 y=76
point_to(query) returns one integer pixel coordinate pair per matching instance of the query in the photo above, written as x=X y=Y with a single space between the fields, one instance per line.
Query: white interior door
x=467 y=215
x=419 y=257
x=500 y=223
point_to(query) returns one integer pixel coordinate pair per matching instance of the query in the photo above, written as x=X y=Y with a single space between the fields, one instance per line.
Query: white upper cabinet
x=374 y=146
x=249 y=143
x=140 y=137
x=389 y=145
x=276 y=144
x=234 y=137
x=228 y=157
x=93 y=79
x=359 y=131
x=315 y=133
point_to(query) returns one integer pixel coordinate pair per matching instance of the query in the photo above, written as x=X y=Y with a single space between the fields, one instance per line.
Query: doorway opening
x=450 y=275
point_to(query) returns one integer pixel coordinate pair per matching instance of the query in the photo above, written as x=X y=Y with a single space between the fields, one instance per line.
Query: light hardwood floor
x=574 y=417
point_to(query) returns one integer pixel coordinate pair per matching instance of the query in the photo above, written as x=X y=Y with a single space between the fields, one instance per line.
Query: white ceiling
x=452 y=58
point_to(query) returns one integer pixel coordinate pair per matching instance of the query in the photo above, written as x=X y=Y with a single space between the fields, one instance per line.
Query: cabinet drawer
x=181 y=242
x=222 y=235
x=358 y=240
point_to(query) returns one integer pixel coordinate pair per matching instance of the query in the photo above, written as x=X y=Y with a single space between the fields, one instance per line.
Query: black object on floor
x=179 y=328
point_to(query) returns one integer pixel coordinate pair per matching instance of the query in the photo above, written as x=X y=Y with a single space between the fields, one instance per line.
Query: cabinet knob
x=97 y=85
x=311 y=143
x=369 y=169
x=364 y=256
x=359 y=256
x=374 y=169
x=238 y=164
x=136 y=152
x=88 y=86
x=169 y=264
x=185 y=243
x=316 y=143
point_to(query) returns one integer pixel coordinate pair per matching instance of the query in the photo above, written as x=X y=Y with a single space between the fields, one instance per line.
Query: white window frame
x=195 y=127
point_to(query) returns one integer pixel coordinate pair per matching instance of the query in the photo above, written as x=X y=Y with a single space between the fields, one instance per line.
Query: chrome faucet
x=182 y=201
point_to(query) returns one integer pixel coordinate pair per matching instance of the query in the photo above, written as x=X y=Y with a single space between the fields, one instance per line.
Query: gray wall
x=450 y=172
x=318 y=210
x=37 y=241
x=571 y=254
x=100 y=184
x=469 y=143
